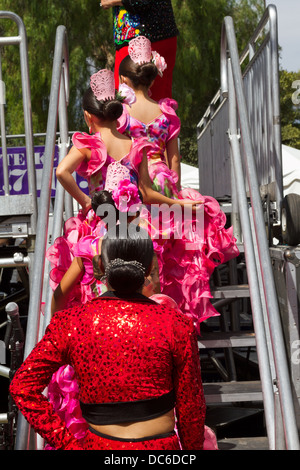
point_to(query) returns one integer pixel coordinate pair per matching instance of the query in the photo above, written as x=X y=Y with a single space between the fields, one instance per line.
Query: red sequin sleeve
x=32 y=378
x=190 y=401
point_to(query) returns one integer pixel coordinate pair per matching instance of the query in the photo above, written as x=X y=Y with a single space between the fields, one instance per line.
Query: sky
x=288 y=17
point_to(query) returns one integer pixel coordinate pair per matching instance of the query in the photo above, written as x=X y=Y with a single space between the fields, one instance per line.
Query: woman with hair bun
x=84 y=281
x=151 y=18
x=136 y=362
x=83 y=272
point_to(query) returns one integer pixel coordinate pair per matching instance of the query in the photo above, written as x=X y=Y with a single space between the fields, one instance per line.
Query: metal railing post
x=21 y=40
x=281 y=365
x=256 y=304
x=60 y=55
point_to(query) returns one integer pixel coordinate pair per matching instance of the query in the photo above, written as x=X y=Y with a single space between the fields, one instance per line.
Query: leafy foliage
x=89 y=29
x=197 y=71
x=290 y=109
x=90 y=48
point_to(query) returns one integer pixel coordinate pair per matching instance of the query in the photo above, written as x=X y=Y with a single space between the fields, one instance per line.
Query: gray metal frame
x=261 y=85
x=59 y=96
x=274 y=369
x=286 y=268
x=12 y=205
x=14 y=342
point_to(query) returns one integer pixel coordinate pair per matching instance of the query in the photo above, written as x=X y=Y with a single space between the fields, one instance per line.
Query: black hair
x=104 y=197
x=108 y=110
x=143 y=74
x=128 y=243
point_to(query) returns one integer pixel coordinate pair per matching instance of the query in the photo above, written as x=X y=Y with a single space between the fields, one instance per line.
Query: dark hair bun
x=126 y=256
x=143 y=74
x=125 y=279
x=146 y=73
x=109 y=110
x=112 y=110
x=104 y=197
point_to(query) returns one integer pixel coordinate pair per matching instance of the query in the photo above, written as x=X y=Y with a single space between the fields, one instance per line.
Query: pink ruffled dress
x=184 y=273
x=81 y=239
x=82 y=234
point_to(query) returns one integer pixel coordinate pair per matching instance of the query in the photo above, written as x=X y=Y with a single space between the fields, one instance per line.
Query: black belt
x=128 y=411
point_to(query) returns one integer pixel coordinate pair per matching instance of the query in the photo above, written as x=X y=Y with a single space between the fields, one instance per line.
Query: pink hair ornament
x=103 y=85
x=140 y=52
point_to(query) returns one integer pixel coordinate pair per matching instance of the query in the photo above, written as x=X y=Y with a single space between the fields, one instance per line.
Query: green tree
x=90 y=48
x=290 y=108
x=197 y=70
x=89 y=28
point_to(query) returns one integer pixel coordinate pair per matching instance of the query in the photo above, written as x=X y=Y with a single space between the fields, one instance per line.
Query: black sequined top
x=151 y=18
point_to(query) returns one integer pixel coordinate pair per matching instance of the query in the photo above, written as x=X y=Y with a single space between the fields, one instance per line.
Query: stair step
x=226 y=340
x=244 y=443
x=231 y=292
x=227 y=392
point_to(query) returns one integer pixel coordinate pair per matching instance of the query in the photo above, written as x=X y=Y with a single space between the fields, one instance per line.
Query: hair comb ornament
x=140 y=52
x=120 y=262
x=103 y=85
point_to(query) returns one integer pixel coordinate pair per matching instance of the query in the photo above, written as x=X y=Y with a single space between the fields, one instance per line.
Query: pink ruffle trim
x=98 y=153
x=185 y=273
x=168 y=106
x=66 y=248
x=63 y=393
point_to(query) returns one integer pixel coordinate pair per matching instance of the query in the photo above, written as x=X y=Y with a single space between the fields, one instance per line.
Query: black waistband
x=129 y=411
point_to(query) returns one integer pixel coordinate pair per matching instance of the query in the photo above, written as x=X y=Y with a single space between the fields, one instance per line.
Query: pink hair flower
x=159 y=61
x=125 y=195
x=127 y=94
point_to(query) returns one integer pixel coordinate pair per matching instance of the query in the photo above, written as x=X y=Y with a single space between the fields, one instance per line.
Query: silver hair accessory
x=120 y=262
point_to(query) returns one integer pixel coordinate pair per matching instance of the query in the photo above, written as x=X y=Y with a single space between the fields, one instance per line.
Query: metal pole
x=60 y=191
x=3 y=136
x=278 y=180
x=284 y=384
x=257 y=311
x=22 y=439
x=22 y=41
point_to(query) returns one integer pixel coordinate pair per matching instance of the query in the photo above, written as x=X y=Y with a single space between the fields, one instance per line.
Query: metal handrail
x=21 y=40
x=255 y=238
x=59 y=96
x=267 y=146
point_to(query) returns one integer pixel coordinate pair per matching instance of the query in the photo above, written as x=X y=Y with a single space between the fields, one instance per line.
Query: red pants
x=97 y=441
x=162 y=87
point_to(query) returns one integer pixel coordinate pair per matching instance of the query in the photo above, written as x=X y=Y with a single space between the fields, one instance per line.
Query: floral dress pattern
x=184 y=273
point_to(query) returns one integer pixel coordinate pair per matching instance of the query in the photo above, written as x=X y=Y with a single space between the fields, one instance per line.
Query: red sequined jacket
x=120 y=350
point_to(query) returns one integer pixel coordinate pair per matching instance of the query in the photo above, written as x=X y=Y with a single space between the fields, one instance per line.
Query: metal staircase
x=239 y=139
x=224 y=126
x=18 y=213
x=18 y=222
x=26 y=216
x=41 y=293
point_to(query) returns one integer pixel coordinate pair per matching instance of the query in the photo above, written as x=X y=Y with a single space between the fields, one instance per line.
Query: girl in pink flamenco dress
x=184 y=274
